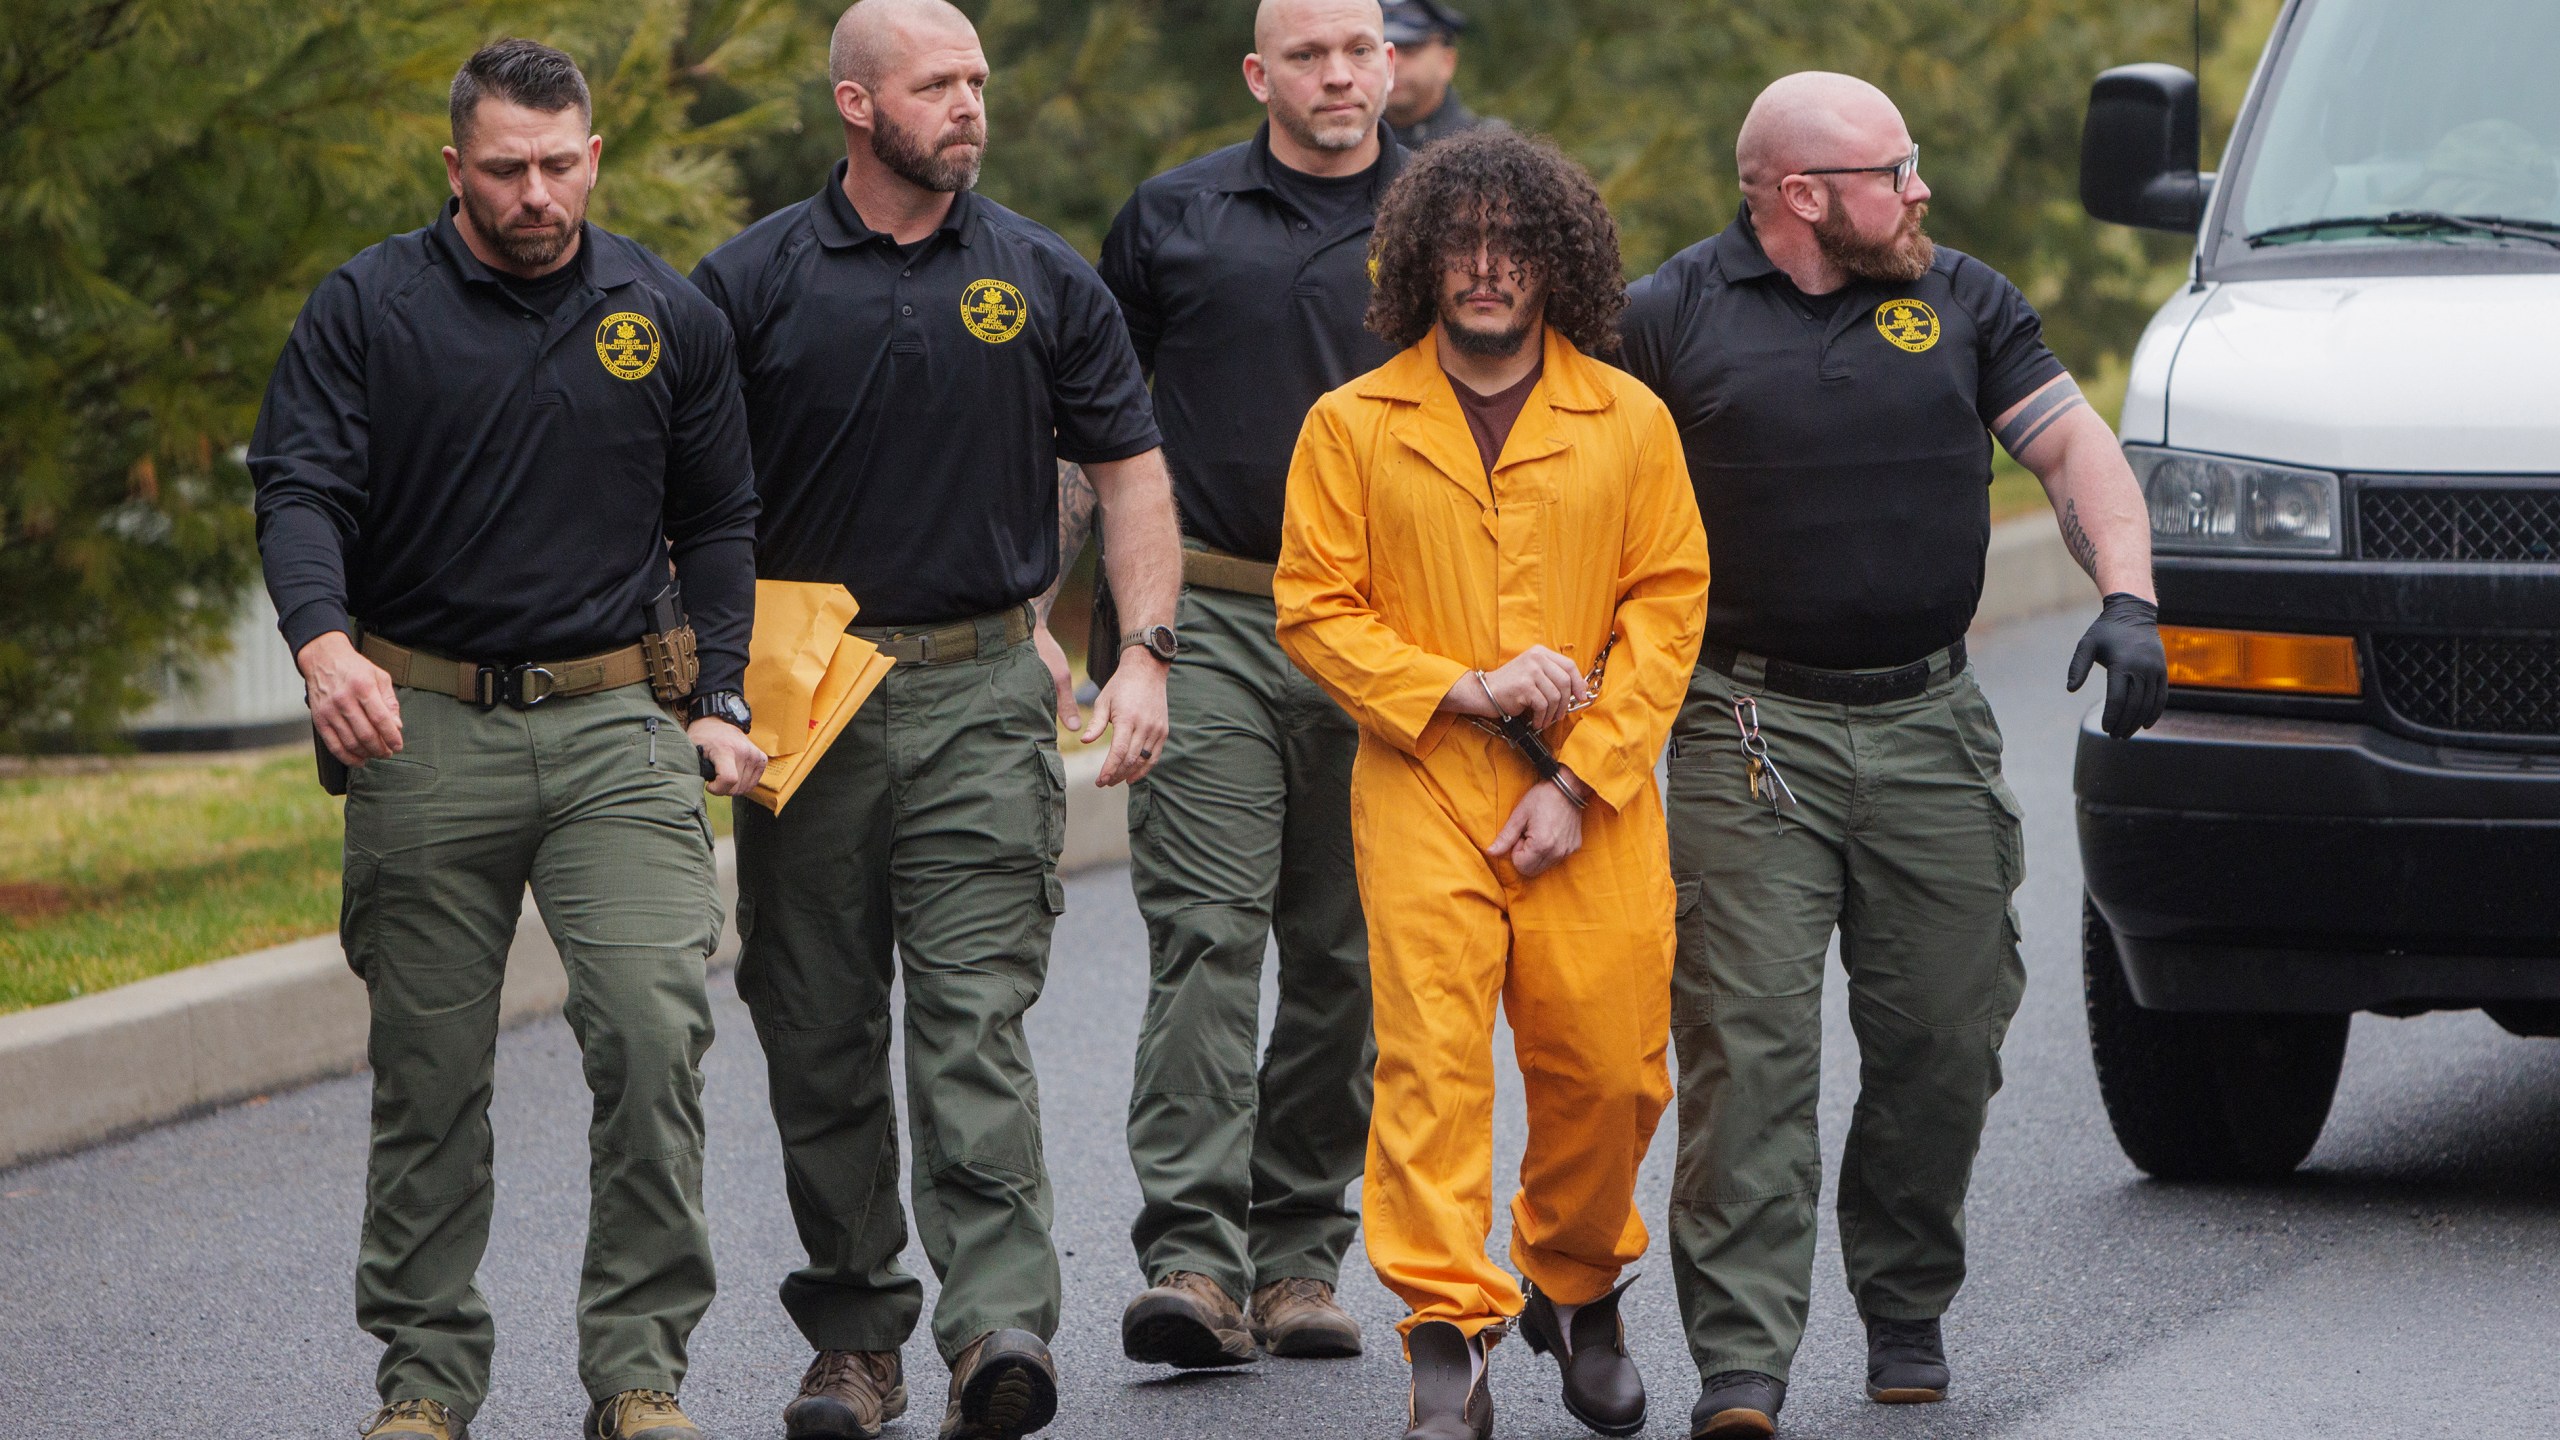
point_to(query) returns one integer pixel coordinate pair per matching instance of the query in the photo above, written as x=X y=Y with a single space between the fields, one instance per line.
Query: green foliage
x=175 y=175
x=174 y=178
x=1090 y=98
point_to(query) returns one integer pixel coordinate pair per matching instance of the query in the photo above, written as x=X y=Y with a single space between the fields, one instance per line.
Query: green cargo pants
x=603 y=816
x=926 y=843
x=1244 y=828
x=1906 y=840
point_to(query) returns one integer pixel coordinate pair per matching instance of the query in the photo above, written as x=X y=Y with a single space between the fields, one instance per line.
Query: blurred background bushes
x=175 y=176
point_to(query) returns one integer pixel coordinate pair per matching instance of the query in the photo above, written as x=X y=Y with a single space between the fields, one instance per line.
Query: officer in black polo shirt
x=917 y=361
x=1425 y=106
x=484 y=443
x=1838 y=380
x=1244 y=277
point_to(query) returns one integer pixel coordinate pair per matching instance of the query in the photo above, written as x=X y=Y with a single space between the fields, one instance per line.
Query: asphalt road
x=196 y=1280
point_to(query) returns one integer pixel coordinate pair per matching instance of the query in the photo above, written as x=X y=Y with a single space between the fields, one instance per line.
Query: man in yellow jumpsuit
x=1493 y=525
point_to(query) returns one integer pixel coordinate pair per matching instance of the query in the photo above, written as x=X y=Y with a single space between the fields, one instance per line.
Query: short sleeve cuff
x=1109 y=452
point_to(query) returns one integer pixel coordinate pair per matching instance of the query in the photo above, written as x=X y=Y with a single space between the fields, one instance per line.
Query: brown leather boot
x=1003 y=1387
x=1443 y=1404
x=847 y=1395
x=641 y=1415
x=1299 y=1319
x=1189 y=1322
x=1601 y=1386
x=414 y=1420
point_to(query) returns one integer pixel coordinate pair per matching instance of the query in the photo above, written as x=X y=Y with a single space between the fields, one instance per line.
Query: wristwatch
x=726 y=705
x=1158 y=639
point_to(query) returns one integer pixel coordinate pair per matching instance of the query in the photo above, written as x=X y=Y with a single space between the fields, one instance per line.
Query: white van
x=2348 y=427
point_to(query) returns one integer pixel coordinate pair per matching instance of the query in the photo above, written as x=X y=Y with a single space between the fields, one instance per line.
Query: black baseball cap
x=1412 y=22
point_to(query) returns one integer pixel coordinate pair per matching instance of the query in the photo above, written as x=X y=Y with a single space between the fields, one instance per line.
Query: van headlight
x=2214 y=505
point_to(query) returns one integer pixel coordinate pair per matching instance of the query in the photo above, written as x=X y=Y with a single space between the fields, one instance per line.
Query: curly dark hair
x=1524 y=199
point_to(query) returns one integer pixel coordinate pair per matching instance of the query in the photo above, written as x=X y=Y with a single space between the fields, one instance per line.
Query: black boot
x=1601 y=1386
x=1444 y=1405
x=1906 y=1362
x=1738 y=1405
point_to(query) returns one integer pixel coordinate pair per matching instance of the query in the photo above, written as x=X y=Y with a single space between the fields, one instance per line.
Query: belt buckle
x=512 y=686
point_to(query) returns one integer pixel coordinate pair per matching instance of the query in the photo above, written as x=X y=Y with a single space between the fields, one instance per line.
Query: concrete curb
x=91 y=1069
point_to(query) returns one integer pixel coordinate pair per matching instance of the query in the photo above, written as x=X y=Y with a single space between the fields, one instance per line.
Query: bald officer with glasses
x=1838 y=381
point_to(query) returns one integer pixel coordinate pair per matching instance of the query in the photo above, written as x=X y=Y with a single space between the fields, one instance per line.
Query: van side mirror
x=2139 y=147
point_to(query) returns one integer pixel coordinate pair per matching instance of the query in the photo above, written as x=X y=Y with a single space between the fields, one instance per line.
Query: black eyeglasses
x=1901 y=170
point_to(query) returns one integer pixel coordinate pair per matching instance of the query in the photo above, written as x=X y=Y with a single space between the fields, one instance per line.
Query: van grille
x=2472 y=684
x=2514 y=524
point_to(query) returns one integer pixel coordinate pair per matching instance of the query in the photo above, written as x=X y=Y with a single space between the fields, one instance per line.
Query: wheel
x=2206 y=1097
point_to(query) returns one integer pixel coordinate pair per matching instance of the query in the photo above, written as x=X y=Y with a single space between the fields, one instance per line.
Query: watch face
x=1160 y=640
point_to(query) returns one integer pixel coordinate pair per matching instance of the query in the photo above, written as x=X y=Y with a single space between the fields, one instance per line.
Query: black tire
x=2201 y=1096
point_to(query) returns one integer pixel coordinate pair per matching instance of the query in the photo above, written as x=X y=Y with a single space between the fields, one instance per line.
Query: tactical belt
x=1837 y=687
x=950 y=644
x=1211 y=570
x=521 y=686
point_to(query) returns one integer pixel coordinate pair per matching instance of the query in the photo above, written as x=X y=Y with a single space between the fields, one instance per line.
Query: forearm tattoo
x=1077 y=507
x=2076 y=536
x=2037 y=416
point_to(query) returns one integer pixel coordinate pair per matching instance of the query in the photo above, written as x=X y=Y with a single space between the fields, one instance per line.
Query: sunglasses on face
x=1901 y=170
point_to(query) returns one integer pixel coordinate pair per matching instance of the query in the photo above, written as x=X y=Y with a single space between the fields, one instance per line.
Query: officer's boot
x=847 y=1395
x=641 y=1415
x=1450 y=1398
x=1003 y=1387
x=1906 y=1362
x=1601 y=1386
x=1189 y=1321
x=1299 y=1318
x=414 y=1420
x=1738 y=1405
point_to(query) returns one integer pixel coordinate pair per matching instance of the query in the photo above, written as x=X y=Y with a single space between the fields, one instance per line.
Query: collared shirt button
x=906 y=309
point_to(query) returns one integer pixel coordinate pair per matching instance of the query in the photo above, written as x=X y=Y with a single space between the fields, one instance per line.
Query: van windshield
x=2405 y=121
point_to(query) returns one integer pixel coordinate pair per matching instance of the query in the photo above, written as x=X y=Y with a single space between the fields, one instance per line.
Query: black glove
x=2126 y=639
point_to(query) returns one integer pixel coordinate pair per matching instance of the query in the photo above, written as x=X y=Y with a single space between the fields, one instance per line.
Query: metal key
x=1765 y=781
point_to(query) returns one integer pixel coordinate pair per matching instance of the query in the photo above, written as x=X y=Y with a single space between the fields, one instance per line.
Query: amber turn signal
x=2256 y=660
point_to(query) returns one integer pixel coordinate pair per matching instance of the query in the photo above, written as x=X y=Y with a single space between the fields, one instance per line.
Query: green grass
x=129 y=869
x=142 y=867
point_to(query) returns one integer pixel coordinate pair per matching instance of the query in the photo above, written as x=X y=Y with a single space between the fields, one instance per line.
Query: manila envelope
x=805 y=678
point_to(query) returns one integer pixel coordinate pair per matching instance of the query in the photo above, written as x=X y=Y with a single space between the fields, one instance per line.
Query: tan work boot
x=1003 y=1387
x=414 y=1420
x=1298 y=1319
x=641 y=1415
x=1189 y=1322
x=847 y=1395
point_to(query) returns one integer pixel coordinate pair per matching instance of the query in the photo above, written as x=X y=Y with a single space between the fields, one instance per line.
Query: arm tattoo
x=2038 y=416
x=2076 y=536
x=1077 y=507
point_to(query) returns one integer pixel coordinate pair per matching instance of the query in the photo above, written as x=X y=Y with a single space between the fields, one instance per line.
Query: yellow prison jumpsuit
x=1401 y=568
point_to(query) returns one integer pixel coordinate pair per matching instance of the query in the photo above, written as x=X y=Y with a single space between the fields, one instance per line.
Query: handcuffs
x=1523 y=736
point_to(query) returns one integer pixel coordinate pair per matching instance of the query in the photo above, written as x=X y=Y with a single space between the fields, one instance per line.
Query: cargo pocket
x=357 y=885
x=1053 y=890
x=1690 y=1003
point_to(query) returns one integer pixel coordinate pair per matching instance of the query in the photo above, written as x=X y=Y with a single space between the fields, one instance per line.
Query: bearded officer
x=917 y=360
x=482 y=446
x=1838 y=381
x=1244 y=277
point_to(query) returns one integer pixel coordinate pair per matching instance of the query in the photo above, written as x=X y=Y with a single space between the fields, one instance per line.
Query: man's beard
x=942 y=168
x=1489 y=344
x=524 y=249
x=1898 y=260
x=1341 y=137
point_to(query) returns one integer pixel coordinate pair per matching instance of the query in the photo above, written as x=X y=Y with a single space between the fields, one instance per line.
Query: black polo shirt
x=472 y=477
x=1247 y=308
x=1842 y=464
x=909 y=407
